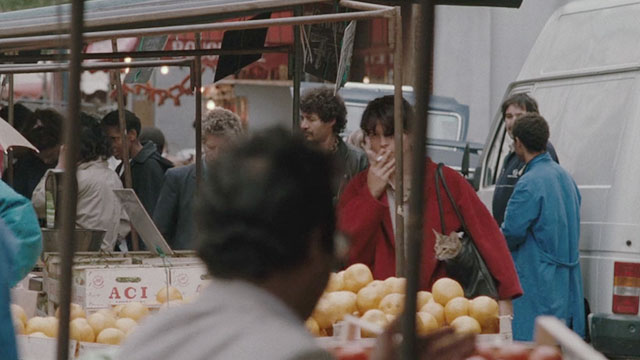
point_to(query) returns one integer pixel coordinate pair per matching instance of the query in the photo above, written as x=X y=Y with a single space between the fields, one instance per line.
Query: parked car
x=584 y=71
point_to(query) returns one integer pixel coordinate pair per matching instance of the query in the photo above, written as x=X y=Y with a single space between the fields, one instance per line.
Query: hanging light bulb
x=366 y=80
x=127 y=59
x=164 y=69
x=211 y=104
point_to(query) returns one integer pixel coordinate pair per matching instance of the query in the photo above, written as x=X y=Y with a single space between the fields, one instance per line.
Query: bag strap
x=439 y=197
x=440 y=176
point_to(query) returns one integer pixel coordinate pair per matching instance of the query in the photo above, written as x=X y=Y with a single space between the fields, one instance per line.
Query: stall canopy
x=103 y=15
x=494 y=3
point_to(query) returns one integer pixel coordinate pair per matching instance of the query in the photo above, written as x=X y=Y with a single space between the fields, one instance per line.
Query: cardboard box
x=96 y=287
x=190 y=280
x=37 y=348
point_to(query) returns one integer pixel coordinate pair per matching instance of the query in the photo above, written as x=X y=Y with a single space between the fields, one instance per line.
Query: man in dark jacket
x=174 y=211
x=324 y=116
x=147 y=166
x=513 y=167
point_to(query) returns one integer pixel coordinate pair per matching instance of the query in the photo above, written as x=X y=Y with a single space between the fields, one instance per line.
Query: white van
x=584 y=71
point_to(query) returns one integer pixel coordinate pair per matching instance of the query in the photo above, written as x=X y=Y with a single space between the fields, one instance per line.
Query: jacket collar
x=148 y=149
x=544 y=157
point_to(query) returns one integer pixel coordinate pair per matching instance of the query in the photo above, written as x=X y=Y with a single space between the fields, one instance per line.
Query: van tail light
x=626 y=288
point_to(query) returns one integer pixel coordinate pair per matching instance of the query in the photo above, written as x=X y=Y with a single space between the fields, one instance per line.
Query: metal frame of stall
x=75 y=40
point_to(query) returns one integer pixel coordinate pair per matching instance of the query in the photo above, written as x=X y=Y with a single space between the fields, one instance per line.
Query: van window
x=442 y=124
x=587 y=120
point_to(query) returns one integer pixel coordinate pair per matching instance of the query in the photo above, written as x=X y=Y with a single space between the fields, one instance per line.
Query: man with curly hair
x=323 y=118
x=173 y=213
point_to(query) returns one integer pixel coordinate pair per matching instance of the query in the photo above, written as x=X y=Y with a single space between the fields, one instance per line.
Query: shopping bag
x=459 y=253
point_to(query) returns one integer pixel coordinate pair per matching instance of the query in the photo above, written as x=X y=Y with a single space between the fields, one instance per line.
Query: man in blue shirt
x=542 y=228
x=512 y=168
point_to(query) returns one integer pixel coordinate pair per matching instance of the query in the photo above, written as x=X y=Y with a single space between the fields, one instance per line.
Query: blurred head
x=266 y=213
x=530 y=134
x=46 y=135
x=23 y=118
x=515 y=106
x=153 y=134
x=111 y=123
x=94 y=144
x=220 y=127
x=378 y=123
x=323 y=114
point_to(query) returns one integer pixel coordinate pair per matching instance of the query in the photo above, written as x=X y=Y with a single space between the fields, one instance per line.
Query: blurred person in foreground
x=98 y=207
x=266 y=233
x=367 y=209
x=173 y=214
x=542 y=227
x=323 y=118
x=8 y=256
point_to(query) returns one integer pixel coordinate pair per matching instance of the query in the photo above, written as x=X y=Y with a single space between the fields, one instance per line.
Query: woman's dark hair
x=380 y=110
x=533 y=131
x=23 y=118
x=47 y=130
x=262 y=200
x=94 y=143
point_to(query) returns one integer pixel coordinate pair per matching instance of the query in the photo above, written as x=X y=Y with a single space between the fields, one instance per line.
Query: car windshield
x=442 y=125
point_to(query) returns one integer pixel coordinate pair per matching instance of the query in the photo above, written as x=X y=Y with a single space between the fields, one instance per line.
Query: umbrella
x=10 y=137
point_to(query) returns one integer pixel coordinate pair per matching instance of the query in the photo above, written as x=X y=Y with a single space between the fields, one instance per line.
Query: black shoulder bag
x=467 y=267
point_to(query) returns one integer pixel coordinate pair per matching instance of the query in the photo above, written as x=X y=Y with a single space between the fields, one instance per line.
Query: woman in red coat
x=367 y=202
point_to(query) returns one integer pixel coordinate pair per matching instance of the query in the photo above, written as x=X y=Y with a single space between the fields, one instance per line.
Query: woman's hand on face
x=381 y=166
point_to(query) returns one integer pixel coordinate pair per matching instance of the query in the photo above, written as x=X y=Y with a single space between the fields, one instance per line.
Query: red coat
x=368 y=223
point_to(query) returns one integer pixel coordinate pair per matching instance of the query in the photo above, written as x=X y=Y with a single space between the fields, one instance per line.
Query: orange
x=369 y=297
x=455 y=308
x=446 y=289
x=423 y=298
x=426 y=323
x=485 y=310
x=356 y=277
x=392 y=304
x=466 y=325
x=436 y=310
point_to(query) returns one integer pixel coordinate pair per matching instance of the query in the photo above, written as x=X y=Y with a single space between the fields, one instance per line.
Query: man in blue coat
x=542 y=228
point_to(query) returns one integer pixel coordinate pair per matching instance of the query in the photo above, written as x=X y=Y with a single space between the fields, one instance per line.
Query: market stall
x=101 y=287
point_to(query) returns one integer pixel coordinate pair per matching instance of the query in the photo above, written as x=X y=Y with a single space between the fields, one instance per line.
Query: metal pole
x=401 y=258
x=128 y=183
x=69 y=201
x=31 y=42
x=297 y=70
x=197 y=72
x=146 y=54
x=416 y=202
x=30 y=68
x=10 y=169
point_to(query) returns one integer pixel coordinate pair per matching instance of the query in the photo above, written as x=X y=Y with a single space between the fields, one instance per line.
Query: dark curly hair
x=260 y=203
x=521 y=100
x=326 y=105
x=94 y=143
x=47 y=130
x=380 y=110
x=533 y=131
x=112 y=119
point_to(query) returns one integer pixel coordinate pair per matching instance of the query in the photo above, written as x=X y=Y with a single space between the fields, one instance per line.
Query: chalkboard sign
x=322 y=43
